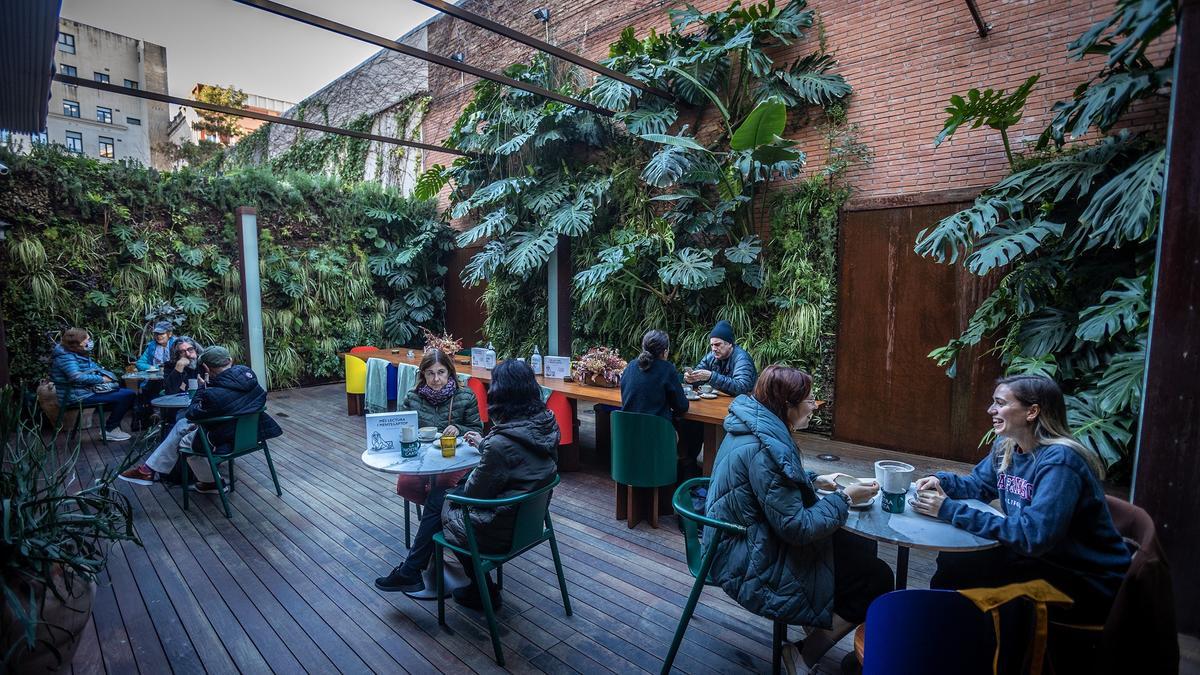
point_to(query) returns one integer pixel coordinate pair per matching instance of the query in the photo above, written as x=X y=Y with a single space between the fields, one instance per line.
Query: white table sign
x=478 y=356
x=383 y=430
x=557 y=366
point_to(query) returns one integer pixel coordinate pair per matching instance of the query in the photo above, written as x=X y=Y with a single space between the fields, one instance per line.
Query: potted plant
x=446 y=342
x=599 y=367
x=54 y=538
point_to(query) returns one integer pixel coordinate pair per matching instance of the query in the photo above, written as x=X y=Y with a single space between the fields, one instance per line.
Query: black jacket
x=656 y=391
x=175 y=382
x=234 y=391
x=516 y=457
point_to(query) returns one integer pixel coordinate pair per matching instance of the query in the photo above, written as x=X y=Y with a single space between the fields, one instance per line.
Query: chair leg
x=184 y=482
x=231 y=478
x=654 y=508
x=622 y=509
x=488 y=610
x=688 y=609
x=407 y=526
x=439 y=584
x=500 y=577
x=212 y=463
x=271 y=466
x=633 y=506
x=100 y=415
x=562 y=580
x=778 y=637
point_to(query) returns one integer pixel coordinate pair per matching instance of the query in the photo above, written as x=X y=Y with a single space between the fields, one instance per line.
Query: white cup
x=408 y=435
x=894 y=477
x=193 y=384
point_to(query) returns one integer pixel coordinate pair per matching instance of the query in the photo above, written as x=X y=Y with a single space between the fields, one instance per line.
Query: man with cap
x=158 y=351
x=727 y=367
x=231 y=390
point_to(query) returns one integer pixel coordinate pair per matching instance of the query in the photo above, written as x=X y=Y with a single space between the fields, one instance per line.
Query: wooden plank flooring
x=286 y=585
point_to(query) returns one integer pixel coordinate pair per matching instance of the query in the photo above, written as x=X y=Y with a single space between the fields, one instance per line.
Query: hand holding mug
x=929 y=501
x=929 y=483
x=473 y=438
x=697 y=376
x=827 y=481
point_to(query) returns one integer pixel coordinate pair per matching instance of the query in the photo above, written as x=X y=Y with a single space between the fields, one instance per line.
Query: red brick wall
x=904 y=61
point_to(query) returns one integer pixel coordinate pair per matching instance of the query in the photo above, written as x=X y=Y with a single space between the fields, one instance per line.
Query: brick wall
x=904 y=61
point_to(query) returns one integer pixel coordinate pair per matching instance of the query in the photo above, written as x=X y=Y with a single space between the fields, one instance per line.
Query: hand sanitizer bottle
x=535 y=361
x=489 y=357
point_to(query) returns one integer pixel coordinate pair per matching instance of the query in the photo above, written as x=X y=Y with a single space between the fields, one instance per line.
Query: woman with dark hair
x=519 y=455
x=1056 y=524
x=438 y=399
x=795 y=564
x=439 y=402
x=79 y=380
x=650 y=383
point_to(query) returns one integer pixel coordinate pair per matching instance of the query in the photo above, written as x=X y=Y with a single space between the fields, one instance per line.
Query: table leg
x=901 y=568
x=713 y=435
x=453 y=577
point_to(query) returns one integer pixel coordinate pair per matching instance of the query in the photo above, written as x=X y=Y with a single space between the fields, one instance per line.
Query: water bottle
x=489 y=357
x=193 y=387
x=535 y=361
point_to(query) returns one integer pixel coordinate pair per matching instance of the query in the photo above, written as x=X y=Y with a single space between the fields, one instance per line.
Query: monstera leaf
x=762 y=126
x=690 y=268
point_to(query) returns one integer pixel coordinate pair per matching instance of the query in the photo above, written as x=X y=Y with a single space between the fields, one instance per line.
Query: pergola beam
x=500 y=29
x=407 y=50
x=239 y=112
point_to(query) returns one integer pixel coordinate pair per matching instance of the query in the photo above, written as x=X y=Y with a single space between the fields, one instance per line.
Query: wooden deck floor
x=286 y=584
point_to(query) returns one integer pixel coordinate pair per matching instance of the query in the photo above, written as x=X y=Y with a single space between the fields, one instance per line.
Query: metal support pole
x=558 y=284
x=252 y=323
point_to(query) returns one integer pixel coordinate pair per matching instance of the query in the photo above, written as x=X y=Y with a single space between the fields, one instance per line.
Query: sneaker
x=468 y=596
x=141 y=474
x=115 y=435
x=207 y=488
x=793 y=662
x=398 y=581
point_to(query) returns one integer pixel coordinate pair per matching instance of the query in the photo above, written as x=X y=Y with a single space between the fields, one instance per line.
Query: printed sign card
x=383 y=430
x=478 y=356
x=557 y=366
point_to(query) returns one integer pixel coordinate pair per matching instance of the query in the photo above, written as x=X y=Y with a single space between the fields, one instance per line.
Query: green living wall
x=111 y=247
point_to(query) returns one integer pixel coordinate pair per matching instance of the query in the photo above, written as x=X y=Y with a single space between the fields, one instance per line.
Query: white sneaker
x=115 y=435
x=793 y=662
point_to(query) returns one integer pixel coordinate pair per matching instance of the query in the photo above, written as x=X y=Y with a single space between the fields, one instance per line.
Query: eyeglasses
x=189 y=349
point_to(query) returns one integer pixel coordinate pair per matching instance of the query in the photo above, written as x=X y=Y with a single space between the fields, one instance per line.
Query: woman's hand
x=861 y=492
x=929 y=500
x=929 y=483
x=450 y=431
x=827 y=481
x=473 y=438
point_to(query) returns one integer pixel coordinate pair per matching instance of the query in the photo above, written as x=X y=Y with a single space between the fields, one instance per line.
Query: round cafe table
x=429 y=462
x=912 y=530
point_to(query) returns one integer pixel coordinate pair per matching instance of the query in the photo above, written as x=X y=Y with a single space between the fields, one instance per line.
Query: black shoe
x=399 y=581
x=468 y=596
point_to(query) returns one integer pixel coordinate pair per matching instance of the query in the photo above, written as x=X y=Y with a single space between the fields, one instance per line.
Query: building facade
x=98 y=123
x=182 y=127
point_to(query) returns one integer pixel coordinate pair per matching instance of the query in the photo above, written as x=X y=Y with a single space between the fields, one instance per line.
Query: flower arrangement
x=447 y=343
x=600 y=366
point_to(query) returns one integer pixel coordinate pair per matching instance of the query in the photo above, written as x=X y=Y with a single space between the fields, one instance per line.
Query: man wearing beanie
x=729 y=369
x=231 y=390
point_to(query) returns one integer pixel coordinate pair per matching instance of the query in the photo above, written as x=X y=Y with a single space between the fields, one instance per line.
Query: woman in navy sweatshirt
x=650 y=383
x=1056 y=524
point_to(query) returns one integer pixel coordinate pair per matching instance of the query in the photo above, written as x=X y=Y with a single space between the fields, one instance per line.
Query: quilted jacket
x=735 y=375
x=465 y=411
x=74 y=375
x=516 y=457
x=235 y=391
x=782 y=568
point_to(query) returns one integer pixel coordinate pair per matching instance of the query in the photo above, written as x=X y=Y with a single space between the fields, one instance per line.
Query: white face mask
x=89 y=345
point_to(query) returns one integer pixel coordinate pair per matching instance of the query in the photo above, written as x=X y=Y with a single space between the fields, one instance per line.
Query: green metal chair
x=532 y=528
x=245 y=441
x=699 y=563
x=643 y=457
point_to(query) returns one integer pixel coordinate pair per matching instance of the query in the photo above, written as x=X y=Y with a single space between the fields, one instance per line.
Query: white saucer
x=867 y=504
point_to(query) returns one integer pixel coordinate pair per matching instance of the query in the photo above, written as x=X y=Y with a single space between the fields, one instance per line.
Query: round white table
x=172 y=401
x=912 y=530
x=429 y=462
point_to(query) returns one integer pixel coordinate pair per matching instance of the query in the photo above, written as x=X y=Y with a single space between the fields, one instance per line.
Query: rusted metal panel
x=895 y=307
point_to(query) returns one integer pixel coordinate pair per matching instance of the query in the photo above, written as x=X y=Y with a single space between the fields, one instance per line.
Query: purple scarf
x=439 y=396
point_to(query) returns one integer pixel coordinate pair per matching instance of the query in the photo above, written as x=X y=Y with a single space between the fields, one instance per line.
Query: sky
x=225 y=43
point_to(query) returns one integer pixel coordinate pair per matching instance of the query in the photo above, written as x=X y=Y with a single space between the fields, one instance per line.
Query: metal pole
x=252 y=323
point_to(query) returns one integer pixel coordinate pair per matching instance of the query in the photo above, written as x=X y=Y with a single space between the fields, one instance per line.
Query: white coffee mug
x=894 y=477
x=408 y=434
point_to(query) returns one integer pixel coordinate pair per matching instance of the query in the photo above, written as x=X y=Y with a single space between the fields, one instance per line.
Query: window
x=107 y=147
x=66 y=43
x=38 y=139
x=70 y=108
x=75 y=142
x=4 y=138
x=101 y=77
x=104 y=115
x=133 y=121
x=68 y=70
x=131 y=84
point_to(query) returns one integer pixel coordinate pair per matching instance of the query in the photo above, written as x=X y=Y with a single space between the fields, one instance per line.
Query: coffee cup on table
x=894 y=478
x=706 y=389
x=427 y=434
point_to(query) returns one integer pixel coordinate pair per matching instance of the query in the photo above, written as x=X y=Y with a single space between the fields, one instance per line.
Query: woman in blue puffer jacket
x=79 y=380
x=795 y=563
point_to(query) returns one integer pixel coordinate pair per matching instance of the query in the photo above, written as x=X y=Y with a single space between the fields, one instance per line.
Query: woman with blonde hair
x=1056 y=525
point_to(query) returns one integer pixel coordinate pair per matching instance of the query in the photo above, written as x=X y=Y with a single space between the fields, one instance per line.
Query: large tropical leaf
x=808 y=80
x=484 y=264
x=529 y=251
x=680 y=141
x=1125 y=34
x=573 y=219
x=494 y=224
x=690 y=268
x=1104 y=433
x=1125 y=209
x=1102 y=103
x=546 y=196
x=763 y=125
x=189 y=279
x=1124 y=307
x=955 y=235
x=1009 y=241
x=1045 y=332
x=653 y=116
x=746 y=251
x=666 y=166
x=589 y=281
x=610 y=93
x=997 y=109
x=1120 y=388
x=431 y=182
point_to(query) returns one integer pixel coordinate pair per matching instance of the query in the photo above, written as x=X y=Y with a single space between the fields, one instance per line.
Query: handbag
x=104 y=387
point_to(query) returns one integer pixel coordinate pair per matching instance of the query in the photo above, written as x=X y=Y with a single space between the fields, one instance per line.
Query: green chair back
x=530 y=526
x=643 y=450
x=693 y=521
x=245 y=441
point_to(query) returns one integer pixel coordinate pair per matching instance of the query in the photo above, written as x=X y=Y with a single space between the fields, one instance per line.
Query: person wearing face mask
x=158 y=351
x=79 y=380
x=795 y=563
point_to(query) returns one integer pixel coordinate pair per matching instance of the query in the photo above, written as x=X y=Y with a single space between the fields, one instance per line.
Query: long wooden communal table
x=709 y=412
